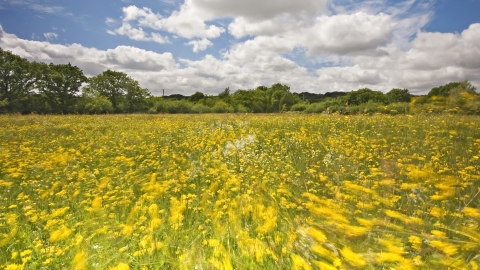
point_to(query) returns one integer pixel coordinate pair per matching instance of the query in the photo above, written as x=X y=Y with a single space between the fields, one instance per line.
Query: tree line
x=37 y=87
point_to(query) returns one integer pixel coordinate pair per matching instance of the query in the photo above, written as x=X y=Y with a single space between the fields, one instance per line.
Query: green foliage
x=201 y=108
x=398 y=95
x=299 y=107
x=197 y=97
x=249 y=99
x=241 y=109
x=98 y=104
x=60 y=84
x=222 y=107
x=464 y=99
x=225 y=95
x=31 y=87
x=174 y=106
x=365 y=95
x=443 y=90
x=124 y=93
x=17 y=79
x=315 y=108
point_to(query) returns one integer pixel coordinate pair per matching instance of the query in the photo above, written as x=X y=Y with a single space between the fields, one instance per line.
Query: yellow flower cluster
x=239 y=192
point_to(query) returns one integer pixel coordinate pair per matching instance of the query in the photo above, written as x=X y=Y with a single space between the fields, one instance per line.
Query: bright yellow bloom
x=447 y=248
x=59 y=212
x=324 y=265
x=299 y=263
x=318 y=235
x=416 y=242
x=79 y=261
x=127 y=230
x=120 y=266
x=13 y=266
x=97 y=203
x=389 y=257
x=439 y=234
x=61 y=234
x=352 y=257
x=471 y=212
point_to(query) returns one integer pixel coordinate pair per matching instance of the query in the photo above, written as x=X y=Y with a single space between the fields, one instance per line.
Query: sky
x=317 y=46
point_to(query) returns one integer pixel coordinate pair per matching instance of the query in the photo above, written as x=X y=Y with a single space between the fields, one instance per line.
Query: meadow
x=239 y=192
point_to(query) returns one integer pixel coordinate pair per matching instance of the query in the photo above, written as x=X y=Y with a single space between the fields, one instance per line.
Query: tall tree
x=122 y=91
x=135 y=97
x=17 y=79
x=225 y=95
x=60 y=84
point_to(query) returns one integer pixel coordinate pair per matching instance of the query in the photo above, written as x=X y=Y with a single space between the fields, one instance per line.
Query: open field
x=239 y=192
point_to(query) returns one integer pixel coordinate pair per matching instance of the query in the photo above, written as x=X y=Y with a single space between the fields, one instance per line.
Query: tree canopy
x=27 y=87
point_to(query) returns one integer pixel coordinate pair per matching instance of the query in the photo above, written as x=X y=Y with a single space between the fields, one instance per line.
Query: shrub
x=299 y=107
x=201 y=108
x=222 y=107
x=315 y=108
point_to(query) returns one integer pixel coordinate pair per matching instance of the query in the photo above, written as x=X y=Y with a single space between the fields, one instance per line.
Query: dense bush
x=222 y=107
x=299 y=107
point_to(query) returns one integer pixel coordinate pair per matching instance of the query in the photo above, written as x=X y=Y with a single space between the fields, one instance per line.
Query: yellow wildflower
x=447 y=248
x=416 y=242
x=61 y=234
x=471 y=212
x=352 y=257
x=120 y=266
x=79 y=261
x=299 y=263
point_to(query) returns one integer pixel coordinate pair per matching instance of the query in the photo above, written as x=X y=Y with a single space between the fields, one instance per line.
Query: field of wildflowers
x=239 y=192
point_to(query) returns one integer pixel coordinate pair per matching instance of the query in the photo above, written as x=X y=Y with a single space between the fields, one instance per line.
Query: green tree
x=464 y=98
x=365 y=95
x=443 y=90
x=98 y=104
x=122 y=91
x=60 y=84
x=225 y=95
x=398 y=95
x=17 y=79
x=197 y=97
x=136 y=97
x=249 y=99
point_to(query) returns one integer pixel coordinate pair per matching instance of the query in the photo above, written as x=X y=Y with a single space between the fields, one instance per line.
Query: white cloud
x=138 y=34
x=47 y=9
x=91 y=60
x=265 y=9
x=185 y=23
x=255 y=50
x=340 y=34
x=367 y=44
x=50 y=35
x=343 y=34
x=242 y=26
x=110 y=21
x=200 y=45
x=433 y=59
x=133 y=33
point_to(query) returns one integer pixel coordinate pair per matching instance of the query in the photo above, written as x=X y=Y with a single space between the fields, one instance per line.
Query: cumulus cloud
x=299 y=43
x=91 y=60
x=343 y=34
x=200 y=45
x=138 y=34
x=433 y=59
x=185 y=23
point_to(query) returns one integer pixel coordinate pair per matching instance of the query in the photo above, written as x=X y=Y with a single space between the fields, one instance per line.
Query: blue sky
x=207 y=45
